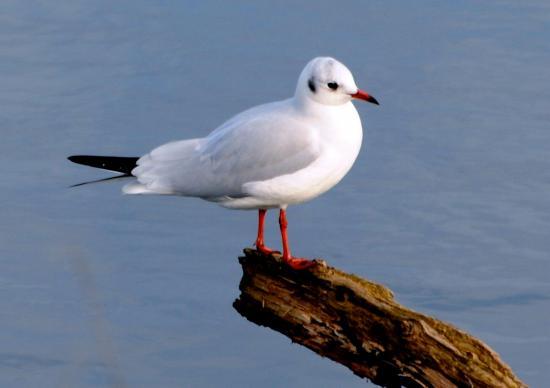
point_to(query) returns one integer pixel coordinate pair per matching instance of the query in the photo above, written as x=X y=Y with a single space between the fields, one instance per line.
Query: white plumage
x=272 y=155
x=269 y=156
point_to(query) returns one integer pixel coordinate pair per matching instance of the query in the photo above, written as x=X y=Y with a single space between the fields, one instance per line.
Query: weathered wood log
x=358 y=324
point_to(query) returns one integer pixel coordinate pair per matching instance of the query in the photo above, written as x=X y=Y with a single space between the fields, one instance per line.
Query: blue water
x=448 y=203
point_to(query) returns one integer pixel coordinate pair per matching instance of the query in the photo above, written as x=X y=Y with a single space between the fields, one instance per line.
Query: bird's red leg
x=260 y=239
x=293 y=262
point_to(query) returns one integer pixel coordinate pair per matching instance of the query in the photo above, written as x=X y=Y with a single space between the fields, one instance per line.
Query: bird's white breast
x=339 y=134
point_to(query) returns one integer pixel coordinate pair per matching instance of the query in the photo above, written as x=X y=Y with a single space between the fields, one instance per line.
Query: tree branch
x=358 y=324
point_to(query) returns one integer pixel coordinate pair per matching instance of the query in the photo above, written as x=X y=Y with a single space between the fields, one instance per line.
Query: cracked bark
x=357 y=323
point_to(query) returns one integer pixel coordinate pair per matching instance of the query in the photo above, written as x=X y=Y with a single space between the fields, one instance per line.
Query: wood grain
x=358 y=323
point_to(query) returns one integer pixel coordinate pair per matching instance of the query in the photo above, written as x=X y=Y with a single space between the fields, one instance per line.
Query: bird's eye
x=332 y=85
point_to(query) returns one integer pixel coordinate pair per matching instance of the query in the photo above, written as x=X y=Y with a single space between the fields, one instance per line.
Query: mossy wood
x=358 y=324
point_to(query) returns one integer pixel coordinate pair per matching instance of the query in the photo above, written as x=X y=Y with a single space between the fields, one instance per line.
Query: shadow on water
x=108 y=360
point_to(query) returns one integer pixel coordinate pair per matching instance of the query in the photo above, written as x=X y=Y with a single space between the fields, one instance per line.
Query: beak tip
x=360 y=94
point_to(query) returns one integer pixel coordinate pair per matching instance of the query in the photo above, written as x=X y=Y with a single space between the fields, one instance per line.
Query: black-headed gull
x=270 y=156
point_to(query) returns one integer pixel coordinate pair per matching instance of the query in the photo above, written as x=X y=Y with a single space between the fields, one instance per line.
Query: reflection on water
x=447 y=205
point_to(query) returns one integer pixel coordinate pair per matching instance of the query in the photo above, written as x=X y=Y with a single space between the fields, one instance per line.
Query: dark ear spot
x=311 y=85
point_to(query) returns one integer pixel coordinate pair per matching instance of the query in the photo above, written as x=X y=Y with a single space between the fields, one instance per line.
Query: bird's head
x=329 y=82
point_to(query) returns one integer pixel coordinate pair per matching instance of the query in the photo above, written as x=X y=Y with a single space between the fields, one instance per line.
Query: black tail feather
x=121 y=164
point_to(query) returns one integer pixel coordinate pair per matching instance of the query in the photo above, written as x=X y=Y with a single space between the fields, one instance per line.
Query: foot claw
x=299 y=264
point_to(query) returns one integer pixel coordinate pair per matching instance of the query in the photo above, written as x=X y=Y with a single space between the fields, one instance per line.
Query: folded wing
x=259 y=144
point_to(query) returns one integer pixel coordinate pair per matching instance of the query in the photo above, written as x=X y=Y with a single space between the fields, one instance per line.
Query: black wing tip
x=124 y=164
x=81 y=158
x=110 y=178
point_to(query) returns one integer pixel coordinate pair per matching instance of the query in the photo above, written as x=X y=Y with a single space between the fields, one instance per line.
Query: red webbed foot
x=298 y=263
x=265 y=250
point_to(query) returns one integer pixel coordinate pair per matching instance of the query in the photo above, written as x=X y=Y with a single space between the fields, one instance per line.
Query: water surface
x=448 y=203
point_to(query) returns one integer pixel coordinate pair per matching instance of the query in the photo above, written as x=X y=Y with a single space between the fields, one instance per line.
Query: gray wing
x=259 y=144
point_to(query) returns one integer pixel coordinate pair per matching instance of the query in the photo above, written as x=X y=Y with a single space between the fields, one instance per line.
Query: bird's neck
x=309 y=106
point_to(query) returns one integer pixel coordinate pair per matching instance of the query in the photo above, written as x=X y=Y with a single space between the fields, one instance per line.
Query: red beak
x=361 y=95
